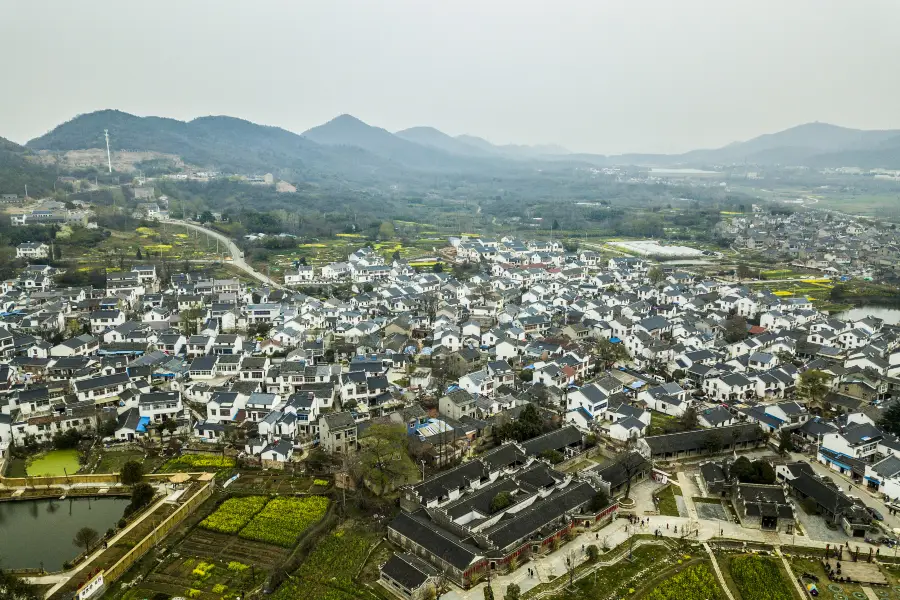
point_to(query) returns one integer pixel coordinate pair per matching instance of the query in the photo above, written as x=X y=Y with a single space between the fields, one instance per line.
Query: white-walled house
x=856 y=440
x=303 y=274
x=628 y=428
x=97 y=388
x=884 y=476
x=668 y=398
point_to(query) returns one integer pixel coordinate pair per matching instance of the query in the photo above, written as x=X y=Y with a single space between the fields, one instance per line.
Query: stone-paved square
x=711 y=511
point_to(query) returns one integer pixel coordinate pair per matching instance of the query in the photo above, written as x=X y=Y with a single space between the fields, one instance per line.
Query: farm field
x=758 y=577
x=321 y=252
x=234 y=514
x=279 y=521
x=283 y=520
x=221 y=547
x=102 y=460
x=204 y=572
x=884 y=206
x=186 y=463
x=272 y=482
x=190 y=577
x=206 y=564
x=329 y=572
x=160 y=241
x=696 y=582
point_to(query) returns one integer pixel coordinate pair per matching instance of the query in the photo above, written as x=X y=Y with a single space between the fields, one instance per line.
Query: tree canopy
x=86 y=538
x=813 y=386
x=132 y=472
x=383 y=460
x=890 y=420
x=529 y=425
x=15 y=588
x=609 y=353
x=736 y=329
x=500 y=501
x=758 y=471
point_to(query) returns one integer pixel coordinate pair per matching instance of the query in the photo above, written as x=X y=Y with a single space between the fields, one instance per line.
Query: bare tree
x=631 y=463
x=571 y=563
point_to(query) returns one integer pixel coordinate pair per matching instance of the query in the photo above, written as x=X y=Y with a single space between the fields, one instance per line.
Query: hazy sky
x=593 y=75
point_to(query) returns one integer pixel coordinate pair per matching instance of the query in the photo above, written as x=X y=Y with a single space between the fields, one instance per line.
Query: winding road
x=236 y=255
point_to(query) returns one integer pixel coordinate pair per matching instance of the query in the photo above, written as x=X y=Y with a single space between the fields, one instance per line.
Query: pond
x=32 y=531
x=890 y=316
x=55 y=463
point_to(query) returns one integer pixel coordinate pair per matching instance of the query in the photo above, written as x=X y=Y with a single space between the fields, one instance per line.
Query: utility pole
x=108 y=155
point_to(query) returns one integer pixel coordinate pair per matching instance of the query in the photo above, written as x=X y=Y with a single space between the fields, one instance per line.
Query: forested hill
x=348 y=131
x=17 y=171
x=344 y=147
x=215 y=142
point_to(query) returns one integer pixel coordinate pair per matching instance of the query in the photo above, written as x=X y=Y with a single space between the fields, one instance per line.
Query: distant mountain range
x=348 y=148
x=812 y=145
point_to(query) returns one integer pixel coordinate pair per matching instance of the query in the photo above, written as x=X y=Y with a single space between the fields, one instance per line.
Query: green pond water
x=55 y=463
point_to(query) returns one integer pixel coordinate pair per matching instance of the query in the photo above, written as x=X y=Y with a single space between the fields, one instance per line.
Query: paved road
x=235 y=252
x=891 y=521
x=715 y=564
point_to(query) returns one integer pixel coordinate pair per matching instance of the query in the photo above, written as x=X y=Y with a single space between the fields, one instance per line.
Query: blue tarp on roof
x=614 y=340
x=142 y=425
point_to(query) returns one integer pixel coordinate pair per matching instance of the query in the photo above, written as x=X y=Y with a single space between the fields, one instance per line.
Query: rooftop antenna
x=108 y=157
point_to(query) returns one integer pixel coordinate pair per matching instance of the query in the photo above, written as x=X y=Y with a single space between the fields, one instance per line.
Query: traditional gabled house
x=101 y=320
x=590 y=401
x=254 y=368
x=553 y=375
x=99 y=388
x=728 y=387
x=865 y=385
x=697 y=443
x=884 y=477
x=226 y=407
x=668 y=398
x=338 y=433
x=619 y=409
x=715 y=416
x=858 y=440
x=171 y=343
x=479 y=383
x=82 y=345
x=203 y=367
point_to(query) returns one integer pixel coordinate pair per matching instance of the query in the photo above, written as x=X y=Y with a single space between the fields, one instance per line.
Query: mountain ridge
x=351 y=147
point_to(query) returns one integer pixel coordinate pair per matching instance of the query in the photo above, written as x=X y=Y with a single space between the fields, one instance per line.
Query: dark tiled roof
x=419 y=528
x=555 y=440
x=695 y=440
x=408 y=571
